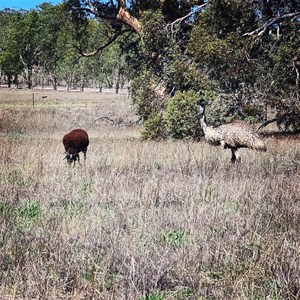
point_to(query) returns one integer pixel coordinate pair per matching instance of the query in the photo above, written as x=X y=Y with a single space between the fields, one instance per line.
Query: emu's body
x=233 y=136
x=74 y=142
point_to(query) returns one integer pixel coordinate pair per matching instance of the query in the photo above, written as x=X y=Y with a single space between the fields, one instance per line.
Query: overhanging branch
x=102 y=46
x=120 y=14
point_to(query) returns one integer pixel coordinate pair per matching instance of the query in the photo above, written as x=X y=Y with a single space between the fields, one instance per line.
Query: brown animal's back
x=75 y=141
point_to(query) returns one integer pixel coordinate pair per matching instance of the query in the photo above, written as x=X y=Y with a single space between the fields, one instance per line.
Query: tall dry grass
x=140 y=220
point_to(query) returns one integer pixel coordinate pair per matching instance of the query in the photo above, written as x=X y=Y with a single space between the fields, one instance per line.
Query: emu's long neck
x=212 y=135
x=202 y=118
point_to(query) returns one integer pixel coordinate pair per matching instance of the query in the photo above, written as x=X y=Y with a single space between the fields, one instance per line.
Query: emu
x=233 y=136
x=74 y=142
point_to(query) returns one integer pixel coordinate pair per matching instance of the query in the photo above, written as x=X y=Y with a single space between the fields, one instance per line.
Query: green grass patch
x=172 y=238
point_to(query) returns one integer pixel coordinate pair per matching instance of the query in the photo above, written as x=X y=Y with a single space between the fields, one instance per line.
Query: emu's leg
x=235 y=155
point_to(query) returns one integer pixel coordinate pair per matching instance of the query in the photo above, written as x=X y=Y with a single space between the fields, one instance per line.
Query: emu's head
x=202 y=104
x=72 y=158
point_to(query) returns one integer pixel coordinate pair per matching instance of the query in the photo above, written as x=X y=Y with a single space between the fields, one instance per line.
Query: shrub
x=182 y=116
x=154 y=127
x=221 y=110
x=288 y=116
x=148 y=96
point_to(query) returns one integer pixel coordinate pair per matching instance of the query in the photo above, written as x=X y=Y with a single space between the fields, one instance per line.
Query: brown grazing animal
x=74 y=142
x=233 y=136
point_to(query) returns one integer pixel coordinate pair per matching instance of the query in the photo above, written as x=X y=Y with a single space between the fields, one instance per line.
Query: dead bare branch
x=178 y=21
x=297 y=72
x=266 y=123
x=260 y=31
x=117 y=122
x=104 y=118
x=92 y=10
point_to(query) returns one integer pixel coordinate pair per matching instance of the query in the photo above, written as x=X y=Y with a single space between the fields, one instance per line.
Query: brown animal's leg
x=84 y=153
x=77 y=158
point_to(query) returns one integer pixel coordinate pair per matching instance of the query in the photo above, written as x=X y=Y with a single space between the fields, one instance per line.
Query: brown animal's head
x=72 y=158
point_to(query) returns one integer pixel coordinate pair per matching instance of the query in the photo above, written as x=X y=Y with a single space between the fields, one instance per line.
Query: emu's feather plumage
x=234 y=135
x=239 y=134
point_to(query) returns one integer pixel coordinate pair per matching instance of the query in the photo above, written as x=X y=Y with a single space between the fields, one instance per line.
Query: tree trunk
x=81 y=84
x=54 y=83
x=29 y=77
x=118 y=81
x=9 y=80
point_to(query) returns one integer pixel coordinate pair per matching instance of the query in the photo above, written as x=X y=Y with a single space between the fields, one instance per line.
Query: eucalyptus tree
x=31 y=41
x=28 y=34
x=56 y=42
x=252 y=50
x=10 y=62
x=141 y=29
x=247 y=50
x=105 y=67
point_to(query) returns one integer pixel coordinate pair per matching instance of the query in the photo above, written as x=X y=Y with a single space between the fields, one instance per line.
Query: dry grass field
x=141 y=219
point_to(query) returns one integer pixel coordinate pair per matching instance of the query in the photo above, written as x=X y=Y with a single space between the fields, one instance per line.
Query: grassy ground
x=140 y=220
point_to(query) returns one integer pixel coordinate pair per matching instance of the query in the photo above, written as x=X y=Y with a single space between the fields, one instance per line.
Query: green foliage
x=283 y=60
x=10 y=62
x=221 y=110
x=183 y=75
x=288 y=116
x=16 y=176
x=265 y=67
x=185 y=293
x=147 y=85
x=154 y=127
x=182 y=116
x=5 y=210
x=86 y=188
x=172 y=238
x=29 y=210
x=147 y=96
x=74 y=208
x=155 y=37
x=155 y=295
x=23 y=216
x=216 y=43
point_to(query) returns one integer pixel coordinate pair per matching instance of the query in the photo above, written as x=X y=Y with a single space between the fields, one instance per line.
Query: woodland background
x=242 y=55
